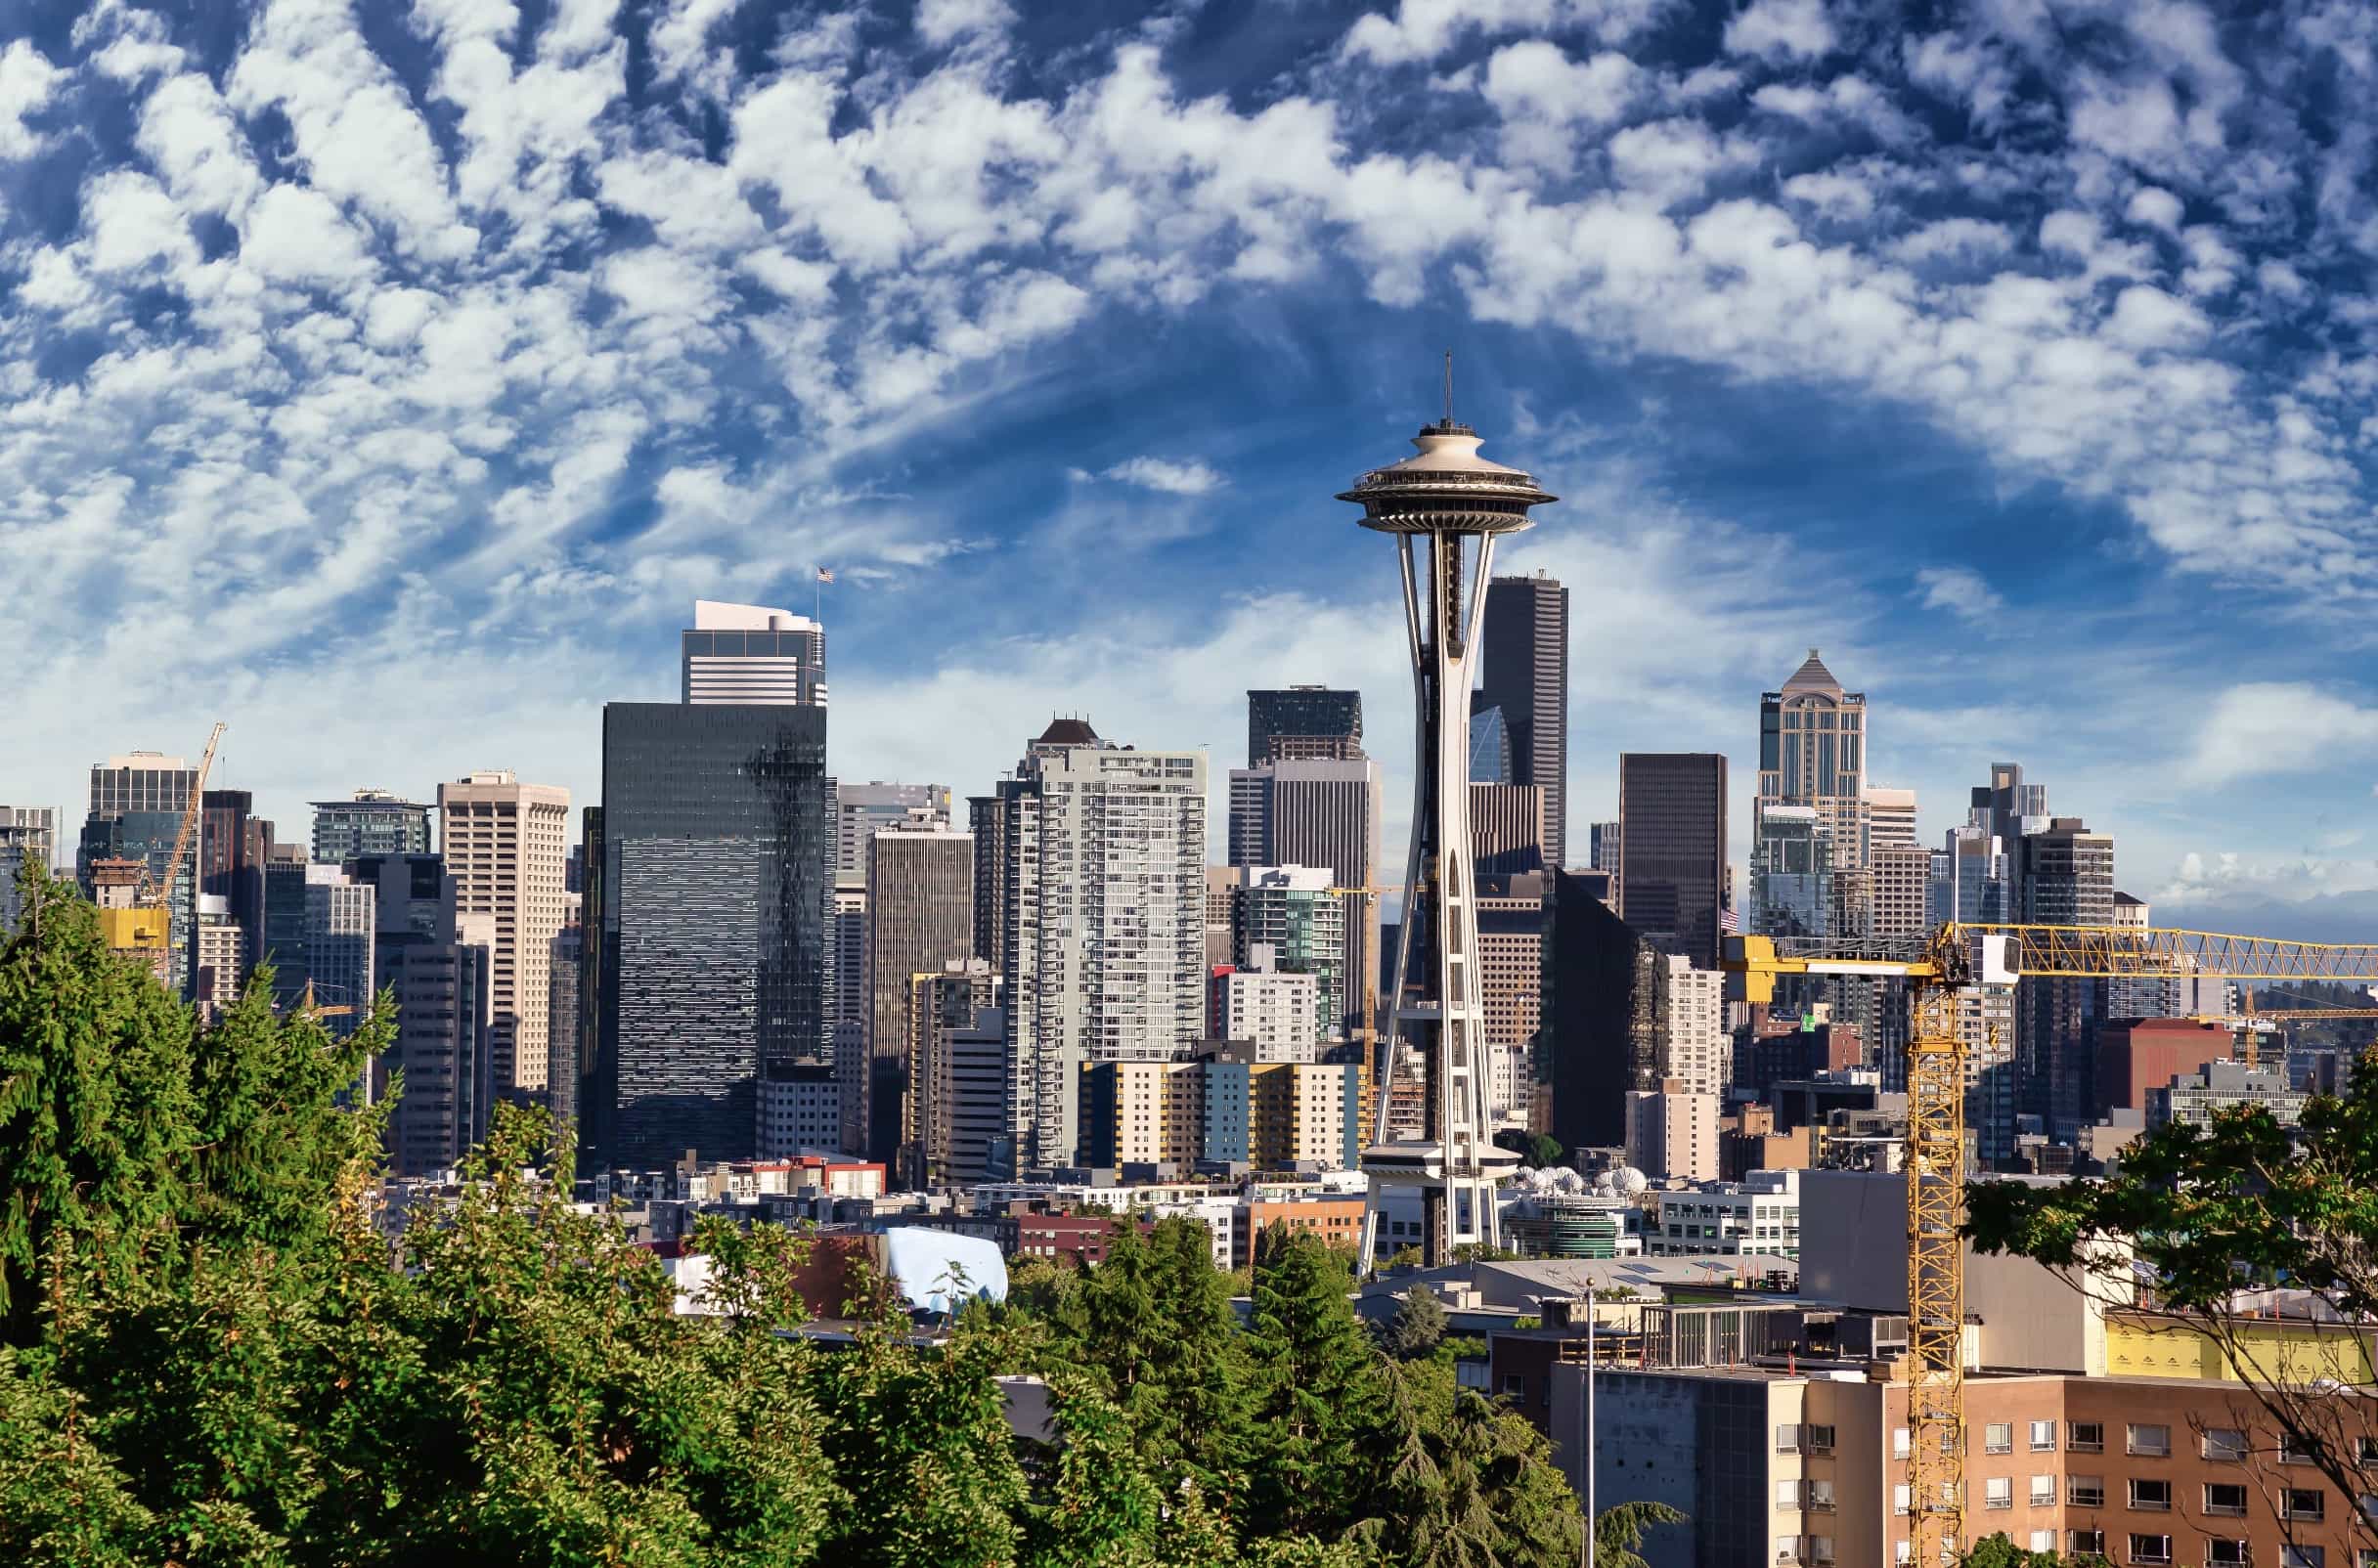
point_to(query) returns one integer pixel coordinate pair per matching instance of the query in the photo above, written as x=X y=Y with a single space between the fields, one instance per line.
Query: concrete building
x=1091 y=977
x=1511 y=919
x=800 y=1110
x=507 y=844
x=958 y=1120
x=1672 y=1132
x=1887 y=819
x=440 y=964
x=28 y=833
x=748 y=655
x=2136 y=1056
x=2064 y=876
x=1525 y=674
x=1672 y=855
x=136 y=807
x=1791 y=874
x=1899 y=876
x=222 y=959
x=706 y=901
x=1290 y=911
x=1696 y=1048
x=1224 y=1107
x=844 y=994
x=1507 y=828
x=1143 y=1113
x=1222 y=915
x=1756 y=1216
x=565 y=1009
x=1304 y=723
x=371 y=821
x=231 y=850
x=1326 y=814
x=920 y=919
x=862 y=810
x=2219 y=1086
x=1274 y=1011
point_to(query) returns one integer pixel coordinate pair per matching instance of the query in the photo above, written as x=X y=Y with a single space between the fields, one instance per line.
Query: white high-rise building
x=1104 y=853
x=506 y=845
x=1672 y=1132
x=1696 y=1048
x=1273 y=1009
x=750 y=654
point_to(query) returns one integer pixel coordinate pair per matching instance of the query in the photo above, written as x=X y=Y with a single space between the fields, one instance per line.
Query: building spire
x=1448 y=386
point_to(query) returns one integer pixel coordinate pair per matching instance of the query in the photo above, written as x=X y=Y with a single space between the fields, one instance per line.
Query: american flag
x=824 y=576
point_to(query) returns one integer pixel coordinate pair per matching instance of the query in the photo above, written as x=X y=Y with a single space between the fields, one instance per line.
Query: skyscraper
x=1491 y=758
x=1290 y=911
x=1302 y=723
x=958 y=1056
x=1602 y=1038
x=507 y=844
x=920 y=919
x=1323 y=813
x=1812 y=751
x=1511 y=979
x=369 y=822
x=2064 y=876
x=26 y=833
x=137 y=804
x=1601 y=851
x=750 y=655
x=1526 y=662
x=1446 y=507
x=340 y=912
x=706 y=900
x=231 y=847
x=1507 y=831
x=1672 y=850
x=440 y=962
x=1105 y=922
x=862 y=810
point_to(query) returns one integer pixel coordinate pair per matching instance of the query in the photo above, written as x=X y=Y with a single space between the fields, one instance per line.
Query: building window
x=1899 y=1442
x=2224 y=1549
x=1787 y=1438
x=2302 y=1557
x=2365 y=1450
x=1898 y=1498
x=2148 y=1441
x=2304 y=1502
x=2084 y=1490
x=1997 y=1437
x=2043 y=1541
x=1787 y=1494
x=2297 y=1448
x=2088 y=1437
x=2043 y=1491
x=2224 y=1443
x=2151 y=1497
x=2088 y=1541
x=1821 y=1494
x=2227 y=1498
x=1788 y=1548
x=1998 y=1491
x=2043 y=1440
x=2151 y=1549
x=1819 y=1439
x=1820 y=1548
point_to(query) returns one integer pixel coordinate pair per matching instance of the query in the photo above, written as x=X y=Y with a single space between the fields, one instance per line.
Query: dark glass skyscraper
x=706 y=899
x=1525 y=671
x=1302 y=723
x=1672 y=850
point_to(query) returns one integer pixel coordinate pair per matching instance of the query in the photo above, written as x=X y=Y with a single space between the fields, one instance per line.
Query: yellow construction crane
x=1934 y=968
x=147 y=926
x=2252 y=1015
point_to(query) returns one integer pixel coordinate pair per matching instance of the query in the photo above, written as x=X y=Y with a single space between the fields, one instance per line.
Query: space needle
x=1446 y=506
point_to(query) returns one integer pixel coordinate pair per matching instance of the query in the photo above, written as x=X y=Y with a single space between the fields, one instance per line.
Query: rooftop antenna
x=1448 y=386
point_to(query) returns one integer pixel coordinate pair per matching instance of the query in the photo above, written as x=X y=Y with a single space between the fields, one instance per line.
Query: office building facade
x=1290 y=914
x=1672 y=861
x=506 y=845
x=1525 y=674
x=706 y=902
x=1105 y=921
x=371 y=821
x=749 y=655
x=920 y=919
x=1323 y=813
x=862 y=810
x=1304 y=723
x=137 y=803
x=956 y=1116
x=1601 y=1013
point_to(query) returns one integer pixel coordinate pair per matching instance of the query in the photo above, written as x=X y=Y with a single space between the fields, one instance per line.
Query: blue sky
x=388 y=380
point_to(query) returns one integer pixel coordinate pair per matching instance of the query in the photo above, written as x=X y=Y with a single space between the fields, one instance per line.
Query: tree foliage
x=1419 y=1324
x=214 y=1356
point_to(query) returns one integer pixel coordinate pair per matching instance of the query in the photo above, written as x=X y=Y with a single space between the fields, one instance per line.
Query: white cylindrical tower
x=1446 y=506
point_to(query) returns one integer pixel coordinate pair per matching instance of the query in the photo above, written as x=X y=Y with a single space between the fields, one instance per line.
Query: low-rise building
x=1758 y=1216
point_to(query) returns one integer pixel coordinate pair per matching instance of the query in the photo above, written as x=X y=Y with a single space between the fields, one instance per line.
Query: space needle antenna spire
x=1446 y=507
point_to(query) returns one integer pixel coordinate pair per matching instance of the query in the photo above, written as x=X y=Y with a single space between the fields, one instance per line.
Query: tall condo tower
x=1446 y=507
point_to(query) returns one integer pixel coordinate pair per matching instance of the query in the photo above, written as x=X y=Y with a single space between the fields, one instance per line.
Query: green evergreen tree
x=1618 y=1532
x=1316 y=1386
x=1419 y=1324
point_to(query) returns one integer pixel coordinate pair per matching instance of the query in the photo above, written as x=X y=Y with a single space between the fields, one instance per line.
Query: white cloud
x=1423 y=29
x=27 y=82
x=2266 y=727
x=943 y=22
x=1190 y=477
x=1780 y=30
x=1961 y=591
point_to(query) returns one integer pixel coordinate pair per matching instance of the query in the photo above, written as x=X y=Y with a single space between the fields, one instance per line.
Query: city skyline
x=485 y=563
